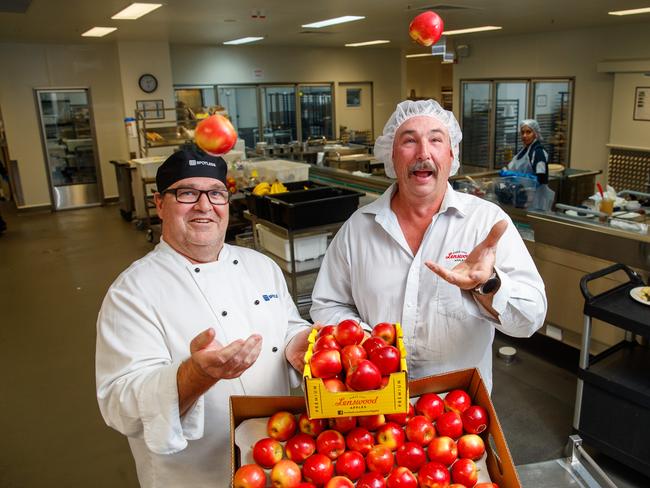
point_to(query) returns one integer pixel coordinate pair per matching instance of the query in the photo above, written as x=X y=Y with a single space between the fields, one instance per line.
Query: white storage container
x=305 y=248
x=282 y=170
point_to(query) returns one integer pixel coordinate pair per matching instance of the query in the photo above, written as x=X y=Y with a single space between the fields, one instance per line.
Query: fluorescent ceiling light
x=98 y=31
x=367 y=43
x=243 y=40
x=419 y=55
x=471 y=29
x=633 y=11
x=136 y=10
x=334 y=21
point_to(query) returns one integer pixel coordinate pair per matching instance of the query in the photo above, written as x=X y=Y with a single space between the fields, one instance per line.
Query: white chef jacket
x=370 y=274
x=147 y=321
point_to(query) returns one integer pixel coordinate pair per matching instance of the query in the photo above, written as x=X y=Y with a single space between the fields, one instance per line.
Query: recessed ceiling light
x=471 y=29
x=334 y=21
x=419 y=55
x=243 y=40
x=367 y=43
x=98 y=31
x=633 y=11
x=136 y=10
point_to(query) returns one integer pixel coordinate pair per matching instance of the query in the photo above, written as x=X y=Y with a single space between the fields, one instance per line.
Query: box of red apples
x=273 y=439
x=348 y=374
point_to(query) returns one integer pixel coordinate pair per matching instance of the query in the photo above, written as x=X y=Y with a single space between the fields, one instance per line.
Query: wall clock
x=148 y=83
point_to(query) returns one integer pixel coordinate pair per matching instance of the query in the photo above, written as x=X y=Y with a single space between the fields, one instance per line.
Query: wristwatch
x=490 y=287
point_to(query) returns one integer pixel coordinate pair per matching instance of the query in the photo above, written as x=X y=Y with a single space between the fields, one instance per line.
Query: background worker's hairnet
x=534 y=126
x=409 y=109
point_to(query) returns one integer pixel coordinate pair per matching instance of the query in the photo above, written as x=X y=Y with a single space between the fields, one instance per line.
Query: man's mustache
x=424 y=165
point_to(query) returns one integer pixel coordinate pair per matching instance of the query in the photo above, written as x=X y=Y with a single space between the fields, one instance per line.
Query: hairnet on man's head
x=406 y=110
x=534 y=126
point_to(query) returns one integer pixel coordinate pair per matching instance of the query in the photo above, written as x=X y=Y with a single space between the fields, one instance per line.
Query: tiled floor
x=54 y=271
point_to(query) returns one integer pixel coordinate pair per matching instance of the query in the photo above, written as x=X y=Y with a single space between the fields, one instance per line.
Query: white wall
x=427 y=76
x=626 y=131
x=29 y=66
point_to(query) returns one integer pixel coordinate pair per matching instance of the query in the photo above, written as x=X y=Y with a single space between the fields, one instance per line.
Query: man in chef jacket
x=450 y=267
x=187 y=326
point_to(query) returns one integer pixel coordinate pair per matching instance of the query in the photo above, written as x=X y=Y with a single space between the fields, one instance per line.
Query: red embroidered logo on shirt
x=457 y=256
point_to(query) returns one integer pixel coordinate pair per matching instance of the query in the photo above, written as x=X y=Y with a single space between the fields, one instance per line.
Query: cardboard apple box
x=498 y=460
x=322 y=403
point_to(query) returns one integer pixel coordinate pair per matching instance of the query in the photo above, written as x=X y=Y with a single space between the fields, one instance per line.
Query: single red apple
x=326 y=330
x=465 y=472
x=352 y=355
x=281 y=426
x=386 y=331
x=363 y=377
x=215 y=135
x=380 y=458
x=318 y=469
x=300 y=447
x=339 y=482
x=387 y=359
x=433 y=475
x=485 y=485
x=334 y=385
x=443 y=450
x=360 y=439
x=420 y=430
x=342 y=424
x=390 y=435
x=426 y=28
x=325 y=363
x=330 y=443
x=450 y=424
x=401 y=477
x=411 y=456
x=371 y=422
x=348 y=332
x=286 y=474
x=372 y=479
x=351 y=464
x=475 y=419
x=457 y=401
x=267 y=452
x=471 y=446
x=326 y=342
x=401 y=418
x=430 y=405
x=249 y=476
x=311 y=427
x=373 y=343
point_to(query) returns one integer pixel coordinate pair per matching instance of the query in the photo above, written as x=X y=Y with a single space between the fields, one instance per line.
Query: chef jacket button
x=224 y=313
x=196 y=270
x=275 y=349
x=235 y=262
x=257 y=302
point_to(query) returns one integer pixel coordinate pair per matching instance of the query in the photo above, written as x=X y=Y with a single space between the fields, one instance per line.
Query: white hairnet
x=409 y=109
x=534 y=126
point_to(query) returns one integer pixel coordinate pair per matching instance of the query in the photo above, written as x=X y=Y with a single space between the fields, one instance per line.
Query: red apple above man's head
x=457 y=401
x=373 y=343
x=434 y=475
x=426 y=28
x=380 y=458
x=420 y=430
x=443 y=450
x=318 y=469
x=390 y=435
x=325 y=363
x=386 y=331
x=450 y=424
x=471 y=446
x=475 y=419
x=342 y=424
x=286 y=474
x=348 y=332
x=339 y=482
x=281 y=426
x=387 y=359
x=326 y=342
x=411 y=455
x=267 y=452
x=360 y=439
x=465 y=472
x=351 y=464
x=331 y=443
x=352 y=355
x=430 y=405
x=215 y=135
x=371 y=479
x=249 y=476
x=300 y=447
x=401 y=418
x=371 y=422
x=363 y=377
x=401 y=477
x=334 y=385
x=311 y=427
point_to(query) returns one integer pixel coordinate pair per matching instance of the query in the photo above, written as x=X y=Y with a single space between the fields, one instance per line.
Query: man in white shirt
x=187 y=326
x=378 y=267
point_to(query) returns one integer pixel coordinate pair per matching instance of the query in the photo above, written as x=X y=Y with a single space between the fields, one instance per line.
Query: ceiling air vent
x=14 y=6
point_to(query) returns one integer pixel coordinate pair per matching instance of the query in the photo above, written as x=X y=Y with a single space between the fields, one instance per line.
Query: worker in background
x=532 y=158
x=450 y=267
x=187 y=326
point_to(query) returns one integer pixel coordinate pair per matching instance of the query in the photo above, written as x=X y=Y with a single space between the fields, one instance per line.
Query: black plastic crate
x=259 y=205
x=319 y=206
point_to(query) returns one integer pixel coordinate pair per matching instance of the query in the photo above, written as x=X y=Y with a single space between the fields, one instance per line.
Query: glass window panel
x=477 y=105
x=279 y=114
x=511 y=108
x=241 y=104
x=316 y=111
x=551 y=108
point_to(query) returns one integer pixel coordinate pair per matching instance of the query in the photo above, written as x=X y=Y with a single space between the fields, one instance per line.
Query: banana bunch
x=278 y=187
x=262 y=189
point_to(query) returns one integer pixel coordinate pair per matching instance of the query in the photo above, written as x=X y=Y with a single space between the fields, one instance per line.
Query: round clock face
x=148 y=83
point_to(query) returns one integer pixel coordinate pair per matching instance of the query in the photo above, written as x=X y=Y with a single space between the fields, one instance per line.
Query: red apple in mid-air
x=348 y=332
x=373 y=343
x=433 y=475
x=371 y=422
x=475 y=419
x=318 y=469
x=339 y=482
x=401 y=418
x=311 y=427
x=457 y=401
x=380 y=459
x=351 y=464
x=352 y=355
x=426 y=28
x=471 y=446
x=343 y=424
x=334 y=385
x=249 y=476
x=443 y=450
x=326 y=342
x=430 y=405
x=450 y=424
x=325 y=363
x=401 y=477
x=420 y=430
x=372 y=479
x=390 y=435
x=386 y=331
x=267 y=452
x=360 y=439
x=215 y=135
x=411 y=456
x=286 y=474
x=386 y=359
x=464 y=471
x=331 y=443
x=300 y=447
x=281 y=426
x=363 y=377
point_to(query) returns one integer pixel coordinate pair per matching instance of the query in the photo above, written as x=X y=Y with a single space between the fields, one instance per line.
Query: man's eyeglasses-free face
x=192 y=195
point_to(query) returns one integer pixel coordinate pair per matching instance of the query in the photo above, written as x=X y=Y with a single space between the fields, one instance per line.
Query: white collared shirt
x=148 y=318
x=369 y=273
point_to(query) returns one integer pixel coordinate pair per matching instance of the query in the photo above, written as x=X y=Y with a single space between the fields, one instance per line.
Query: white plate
x=573 y=213
x=636 y=294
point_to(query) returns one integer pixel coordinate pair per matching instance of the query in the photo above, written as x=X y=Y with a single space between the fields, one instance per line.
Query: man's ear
x=158 y=200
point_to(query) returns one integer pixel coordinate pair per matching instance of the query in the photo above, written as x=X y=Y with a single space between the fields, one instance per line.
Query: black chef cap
x=190 y=162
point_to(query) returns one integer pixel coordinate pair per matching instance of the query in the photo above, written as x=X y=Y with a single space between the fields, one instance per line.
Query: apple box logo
x=268 y=298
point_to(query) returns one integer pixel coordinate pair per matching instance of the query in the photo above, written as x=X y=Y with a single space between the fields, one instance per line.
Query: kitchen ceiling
x=279 y=21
